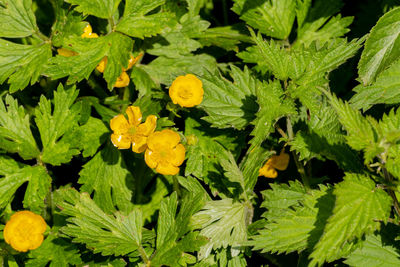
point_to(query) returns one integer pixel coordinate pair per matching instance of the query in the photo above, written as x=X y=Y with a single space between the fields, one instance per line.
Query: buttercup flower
x=102 y=65
x=24 y=231
x=87 y=32
x=122 y=81
x=187 y=91
x=132 y=131
x=164 y=152
x=279 y=162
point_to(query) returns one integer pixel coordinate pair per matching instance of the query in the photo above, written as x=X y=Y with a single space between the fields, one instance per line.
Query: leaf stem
x=41 y=36
x=176 y=185
x=300 y=167
x=143 y=255
x=391 y=192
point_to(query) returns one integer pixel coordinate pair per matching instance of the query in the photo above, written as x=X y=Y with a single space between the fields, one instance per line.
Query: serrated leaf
x=359 y=207
x=99 y=8
x=274 y=18
x=15 y=132
x=373 y=253
x=17 y=19
x=273 y=106
x=8 y=165
x=224 y=222
x=385 y=90
x=21 y=64
x=164 y=70
x=56 y=251
x=106 y=177
x=54 y=122
x=296 y=228
x=136 y=23
x=104 y=233
x=381 y=48
x=93 y=134
x=229 y=104
x=91 y=51
x=37 y=190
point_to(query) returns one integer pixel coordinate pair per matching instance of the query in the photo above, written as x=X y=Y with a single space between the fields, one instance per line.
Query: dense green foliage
x=319 y=80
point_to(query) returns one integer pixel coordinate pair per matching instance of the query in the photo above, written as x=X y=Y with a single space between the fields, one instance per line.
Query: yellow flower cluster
x=276 y=162
x=123 y=80
x=187 y=91
x=163 y=151
x=24 y=231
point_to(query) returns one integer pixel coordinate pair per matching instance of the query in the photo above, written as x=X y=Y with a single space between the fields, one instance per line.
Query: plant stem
x=41 y=36
x=143 y=255
x=300 y=167
x=391 y=192
x=176 y=185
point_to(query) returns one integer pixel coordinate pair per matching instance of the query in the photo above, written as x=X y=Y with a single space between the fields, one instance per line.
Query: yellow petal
x=87 y=30
x=178 y=155
x=148 y=126
x=102 y=65
x=139 y=143
x=132 y=61
x=187 y=91
x=121 y=141
x=167 y=168
x=134 y=115
x=268 y=171
x=66 y=52
x=164 y=138
x=122 y=81
x=151 y=158
x=119 y=124
x=280 y=162
x=90 y=35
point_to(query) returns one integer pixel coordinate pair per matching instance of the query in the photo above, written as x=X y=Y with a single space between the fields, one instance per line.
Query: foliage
x=273 y=77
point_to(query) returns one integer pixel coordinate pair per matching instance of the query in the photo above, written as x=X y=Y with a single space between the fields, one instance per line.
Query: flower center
x=185 y=93
x=132 y=130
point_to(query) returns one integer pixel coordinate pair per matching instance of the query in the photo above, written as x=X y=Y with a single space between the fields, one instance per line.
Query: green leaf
x=273 y=106
x=229 y=104
x=224 y=222
x=21 y=64
x=359 y=207
x=92 y=135
x=8 y=165
x=107 y=178
x=15 y=132
x=54 y=122
x=91 y=51
x=381 y=48
x=296 y=228
x=99 y=8
x=274 y=18
x=164 y=70
x=374 y=252
x=136 y=23
x=101 y=232
x=37 y=190
x=385 y=90
x=17 y=19
x=58 y=251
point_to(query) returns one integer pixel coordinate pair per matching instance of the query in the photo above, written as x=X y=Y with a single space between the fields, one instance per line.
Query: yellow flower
x=279 y=162
x=122 y=81
x=164 y=152
x=132 y=61
x=87 y=32
x=24 y=231
x=66 y=52
x=187 y=91
x=132 y=131
x=102 y=65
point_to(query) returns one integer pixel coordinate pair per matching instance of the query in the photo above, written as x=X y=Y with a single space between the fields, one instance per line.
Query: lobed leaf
x=17 y=19
x=99 y=8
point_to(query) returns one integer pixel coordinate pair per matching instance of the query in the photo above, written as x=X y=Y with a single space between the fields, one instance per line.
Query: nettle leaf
x=136 y=23
x=296 y=228
x=320 y=24
x=99 y=8
x=54 y=122
x=251 y=163
x=164 y=70
x=91 y=51
x=359 y=207
x=38 y=187
x=381 y=48
x=385 y=90
x=107 y=178
x=15 y=132
x=21 y=64
x=174 y=236
x=16 y=19
x=274 y=18
x=56 y=251
x=229 y=104
x=224 y=223
x=374 y=252
x=103 y=233
x=273 y=106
